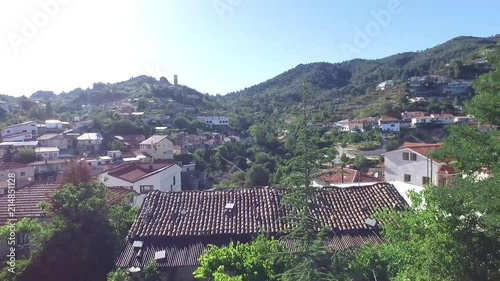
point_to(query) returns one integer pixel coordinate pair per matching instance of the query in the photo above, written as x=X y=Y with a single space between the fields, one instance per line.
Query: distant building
x=89 y=142
x=458 y=87
x=385 y=85
x=388 y=124
x=214 y=120
x=175 y=80
x=47 y=153
x=143 y=178
x=157 y=147
x=29 y=129
x=412 y=164
x=408 y=115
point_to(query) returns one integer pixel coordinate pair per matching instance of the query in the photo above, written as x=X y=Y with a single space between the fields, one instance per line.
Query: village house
x=388 y=124
x=89 y=142
x=176 y=237
x=18 y=137
x=463 y=119
x=55 y=140
x=444 y=119
x=24 y=174
x=28 y=130
x=360 y=124
x=458 y=87
x=214 y=120
x=48 y=170
x=143 y=178
x=412 y=164
x=385 y=85
x=407 y=116
x=27 y=205
x=157 y=147
x=47 y=153
x=131 y=141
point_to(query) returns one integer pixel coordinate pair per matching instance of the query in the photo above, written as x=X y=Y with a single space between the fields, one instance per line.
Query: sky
x=214 y=46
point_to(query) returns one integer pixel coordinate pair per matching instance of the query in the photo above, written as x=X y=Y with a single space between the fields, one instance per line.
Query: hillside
x=354 y=81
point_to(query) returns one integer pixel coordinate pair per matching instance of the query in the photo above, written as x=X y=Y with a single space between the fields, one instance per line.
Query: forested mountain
x=355 y=80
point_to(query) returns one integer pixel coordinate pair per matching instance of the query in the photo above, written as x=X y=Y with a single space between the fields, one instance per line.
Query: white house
x=47 y=153
x=385 y=85
x=424 y=120
x=18 y=137
x=143 y=178
x=444 y=119
x=89 y=142
x=214 y=120
x=53 y=125
x=411 y=164
x=4 y=106
x=157 y=147
x=388 y=124
x=29 y=128
x=458 y=87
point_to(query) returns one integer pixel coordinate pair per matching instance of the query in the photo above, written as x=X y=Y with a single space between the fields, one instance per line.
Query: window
x=425 y=180
x=392 y=125
x=24 y=131
x=407 y=178
x=146 y=188
x=413 y=157
x=406 y=156
x=23 y=174
x=173 y=180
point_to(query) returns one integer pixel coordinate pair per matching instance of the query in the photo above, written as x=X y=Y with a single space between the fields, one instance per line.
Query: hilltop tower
x=175 y=80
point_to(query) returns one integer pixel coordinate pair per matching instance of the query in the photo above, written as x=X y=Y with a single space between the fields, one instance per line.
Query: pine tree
x=307 y=261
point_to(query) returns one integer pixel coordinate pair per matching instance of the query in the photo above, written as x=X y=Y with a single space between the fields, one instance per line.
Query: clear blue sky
x=215 y=46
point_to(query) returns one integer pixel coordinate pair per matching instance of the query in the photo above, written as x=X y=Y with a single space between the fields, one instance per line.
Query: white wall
x=393 y=127
x=396 y=167
x=162 y=181
x=31 y=128
x=162 y=150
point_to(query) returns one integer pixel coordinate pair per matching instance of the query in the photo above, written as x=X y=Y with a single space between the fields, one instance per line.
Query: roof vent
x=160 y=255
x=134 y=269
x=370 y=222
x=183 y=212
x=137 y=244
x=139 y=254
x=229 y=206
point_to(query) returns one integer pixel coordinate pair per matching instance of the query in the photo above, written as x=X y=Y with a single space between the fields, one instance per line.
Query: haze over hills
x=353 y=80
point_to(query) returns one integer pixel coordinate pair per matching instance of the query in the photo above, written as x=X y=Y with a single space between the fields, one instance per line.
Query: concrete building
x=143 y=178
x=214 y=120
x=158 y=148
x=29 y=129
x=412 y=164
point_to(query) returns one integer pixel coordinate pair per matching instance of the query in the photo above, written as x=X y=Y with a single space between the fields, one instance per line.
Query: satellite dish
x=134 y=269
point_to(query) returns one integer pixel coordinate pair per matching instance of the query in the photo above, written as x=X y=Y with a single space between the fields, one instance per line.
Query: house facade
x=214 y=120
x=411 y=164
x=24 y=174
x=47 y=153
x=89 y=142
x=388 y=124
x=143 y=178
x=54 y=140
x=157 y=147
x=28 y=128
x=408 y=115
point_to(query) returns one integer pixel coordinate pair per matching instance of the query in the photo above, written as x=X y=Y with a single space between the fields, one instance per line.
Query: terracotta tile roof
x=334 y=176
x=27 y=200
x=120 y=191
x=184 y=223
x=187 y=253
x=135 y=172
x=199 y=213
x=388 y=119
x=421 y=148
x=5 y=166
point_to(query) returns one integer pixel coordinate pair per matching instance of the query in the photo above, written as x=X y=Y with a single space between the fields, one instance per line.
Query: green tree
x=142 y=104
x=257 y=176
x=151 y=272
x=116 y=145
x=258 y=133
x=360 y=161
x=26 y=156
x=118 y=275
x=49 y=112
x=181 y=122
x=254 y=261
